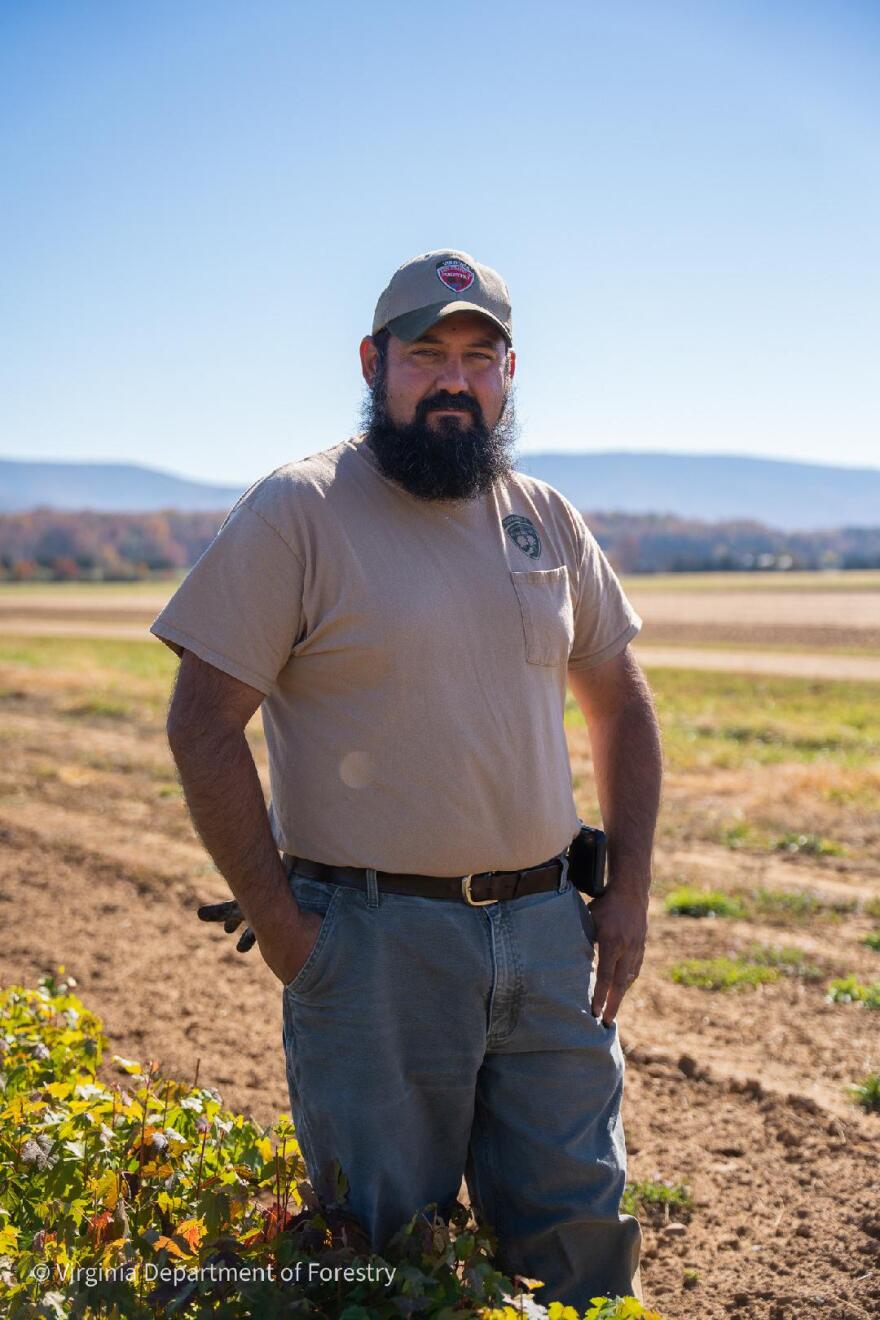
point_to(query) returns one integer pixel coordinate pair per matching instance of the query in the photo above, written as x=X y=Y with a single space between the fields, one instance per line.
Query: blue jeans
x=426 y=1039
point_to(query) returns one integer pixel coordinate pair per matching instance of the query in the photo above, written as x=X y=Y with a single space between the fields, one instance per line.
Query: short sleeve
x=239 y=608
x=604 y=620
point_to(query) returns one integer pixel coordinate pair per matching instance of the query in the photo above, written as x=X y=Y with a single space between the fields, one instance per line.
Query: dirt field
x=772 y=789
x=795 y=624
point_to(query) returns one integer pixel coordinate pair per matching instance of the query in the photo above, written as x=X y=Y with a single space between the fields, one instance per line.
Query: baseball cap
x=436 y=284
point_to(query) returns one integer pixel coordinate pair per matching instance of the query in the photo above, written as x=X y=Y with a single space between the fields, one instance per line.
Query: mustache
x=454 y=402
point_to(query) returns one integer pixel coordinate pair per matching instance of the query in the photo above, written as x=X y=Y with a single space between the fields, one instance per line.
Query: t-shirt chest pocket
x=547 y=615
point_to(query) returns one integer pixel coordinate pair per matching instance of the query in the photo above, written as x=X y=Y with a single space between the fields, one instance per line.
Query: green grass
x=808 y=845
x=655 y=1199
x=150 y=660
x=56 y=591
x=797 y=904
x=788 y=959
x=739 y=835
x=689 y=902
x=849 y=990
x=735 y=720
x=867 y=1093
x=779 y=906
x=723 y=973
x=708 y=719
x=101 y=706
x=873 y=941
x=834 y=580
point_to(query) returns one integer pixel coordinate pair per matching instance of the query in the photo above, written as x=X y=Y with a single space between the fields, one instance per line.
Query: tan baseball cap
x=436 y=284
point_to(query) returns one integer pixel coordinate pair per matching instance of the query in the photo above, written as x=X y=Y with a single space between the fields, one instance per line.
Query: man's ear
x=511 y=363
x=369 y=354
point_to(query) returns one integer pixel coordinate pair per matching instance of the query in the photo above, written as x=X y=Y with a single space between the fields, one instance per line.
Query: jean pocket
x=547 y=614
x=325 y=900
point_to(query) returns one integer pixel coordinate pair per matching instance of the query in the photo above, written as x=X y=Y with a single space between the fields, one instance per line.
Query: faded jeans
x=425 y=1039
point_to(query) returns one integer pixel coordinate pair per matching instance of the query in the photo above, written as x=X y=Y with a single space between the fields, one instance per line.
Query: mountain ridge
x=780 y=493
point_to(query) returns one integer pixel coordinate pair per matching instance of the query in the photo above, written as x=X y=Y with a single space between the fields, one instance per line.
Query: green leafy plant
x=849 y=990
x=656 y=1199
x=873 y=941
x=146 y=1198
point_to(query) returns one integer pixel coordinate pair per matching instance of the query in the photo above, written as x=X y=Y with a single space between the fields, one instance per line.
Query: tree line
x=47 y=544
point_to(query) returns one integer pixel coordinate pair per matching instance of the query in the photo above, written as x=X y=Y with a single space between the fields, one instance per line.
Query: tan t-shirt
x=413 y=658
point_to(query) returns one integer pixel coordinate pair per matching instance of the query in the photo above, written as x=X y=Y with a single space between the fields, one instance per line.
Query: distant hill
x=104 y=487
x=710 y=487
x=788 y=496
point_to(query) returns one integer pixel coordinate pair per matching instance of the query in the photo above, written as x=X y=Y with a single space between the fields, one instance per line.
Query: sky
x=200 y=203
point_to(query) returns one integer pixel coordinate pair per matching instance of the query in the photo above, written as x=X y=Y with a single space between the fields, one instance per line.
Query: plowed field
x=741 y=1095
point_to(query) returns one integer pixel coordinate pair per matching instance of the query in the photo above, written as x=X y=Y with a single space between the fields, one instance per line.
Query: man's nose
x=451 y=377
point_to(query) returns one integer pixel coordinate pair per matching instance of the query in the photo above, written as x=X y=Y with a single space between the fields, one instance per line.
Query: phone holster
x=586 y=861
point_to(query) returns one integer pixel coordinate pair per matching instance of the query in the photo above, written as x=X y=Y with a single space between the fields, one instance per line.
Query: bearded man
x=407 y=610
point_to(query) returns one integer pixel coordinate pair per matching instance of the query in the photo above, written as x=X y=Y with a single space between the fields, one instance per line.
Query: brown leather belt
x=477 y=890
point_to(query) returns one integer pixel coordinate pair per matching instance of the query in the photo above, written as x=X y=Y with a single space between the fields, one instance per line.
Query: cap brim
x=412 y=325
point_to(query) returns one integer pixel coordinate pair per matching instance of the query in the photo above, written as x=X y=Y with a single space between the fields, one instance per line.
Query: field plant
x=689 y=902
x=849 y=990
x=790 y=960
x=723 y=973
x=758 y=964
x=867 y=1092
x=656 y=1200
x=149 y=1199
x=773 y=906
x=873 y=941
x=808 y=845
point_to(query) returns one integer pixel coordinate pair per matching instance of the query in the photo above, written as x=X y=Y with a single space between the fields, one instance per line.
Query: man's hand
x=232 y=916
x=625 y=741
x=286 y=940
x=621 y=919
x=284 y=951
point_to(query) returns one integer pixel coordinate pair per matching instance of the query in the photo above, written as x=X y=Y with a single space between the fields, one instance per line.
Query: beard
x=453 y=458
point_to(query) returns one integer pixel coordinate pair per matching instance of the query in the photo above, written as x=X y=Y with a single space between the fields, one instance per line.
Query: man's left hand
x=620 y=915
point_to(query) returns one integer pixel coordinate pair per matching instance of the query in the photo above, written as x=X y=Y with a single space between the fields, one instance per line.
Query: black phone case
x=586 y=860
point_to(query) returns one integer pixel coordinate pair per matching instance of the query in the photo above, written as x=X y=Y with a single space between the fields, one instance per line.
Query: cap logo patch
x=456 y=275
x=523 y=534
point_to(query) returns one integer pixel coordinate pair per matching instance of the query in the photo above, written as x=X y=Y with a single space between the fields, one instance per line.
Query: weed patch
x=688 y=902
x=849 y=990
x=867 y=1093
x=657 y=1200
x=808 y=845
x=723 y=973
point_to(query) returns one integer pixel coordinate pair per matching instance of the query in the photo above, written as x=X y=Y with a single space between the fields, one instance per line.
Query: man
x=405 y=608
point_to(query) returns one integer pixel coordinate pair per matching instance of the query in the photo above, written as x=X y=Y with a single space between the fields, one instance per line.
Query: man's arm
x=625 y=739
x=206 y=722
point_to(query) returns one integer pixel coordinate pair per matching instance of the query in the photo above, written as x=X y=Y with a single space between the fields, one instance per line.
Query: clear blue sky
x=203 y=199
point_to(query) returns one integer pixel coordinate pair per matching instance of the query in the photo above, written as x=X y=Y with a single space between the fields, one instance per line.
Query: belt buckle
x=466 y=894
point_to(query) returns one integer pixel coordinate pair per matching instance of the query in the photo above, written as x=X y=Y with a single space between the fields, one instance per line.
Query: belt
x=478 y=890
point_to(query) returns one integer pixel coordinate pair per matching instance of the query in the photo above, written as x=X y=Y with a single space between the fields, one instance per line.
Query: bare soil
x=740 y=1096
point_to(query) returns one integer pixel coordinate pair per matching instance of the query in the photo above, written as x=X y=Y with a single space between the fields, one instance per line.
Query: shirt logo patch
x=456 y=275
x=523 y=534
